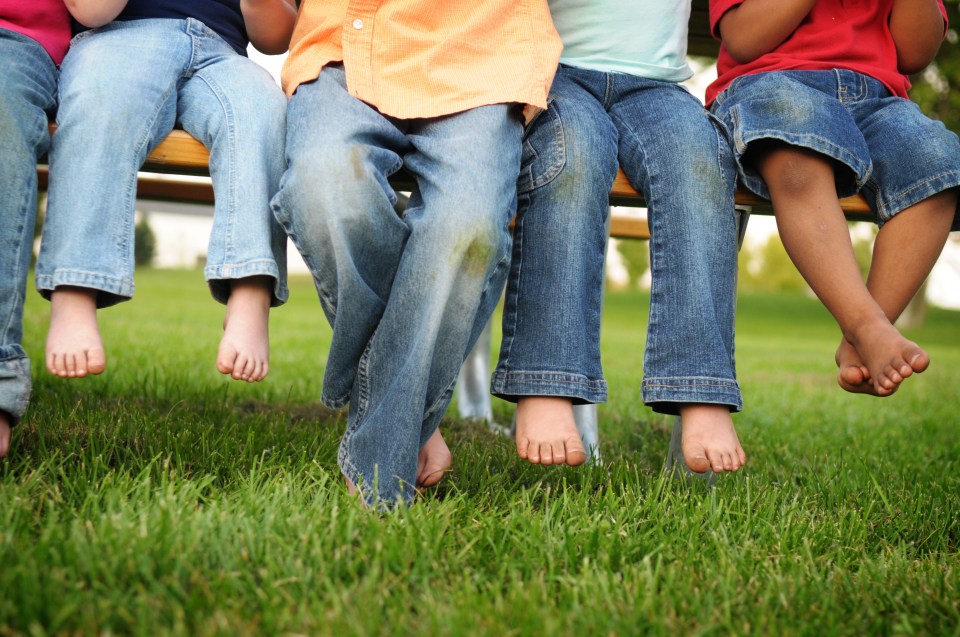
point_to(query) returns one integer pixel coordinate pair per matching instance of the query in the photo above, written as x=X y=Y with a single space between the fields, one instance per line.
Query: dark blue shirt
x=223 y=16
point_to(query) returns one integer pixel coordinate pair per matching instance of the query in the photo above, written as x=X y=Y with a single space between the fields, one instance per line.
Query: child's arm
x=755 y=27
x=269 y=23
x=95 y=13
x=918 y=29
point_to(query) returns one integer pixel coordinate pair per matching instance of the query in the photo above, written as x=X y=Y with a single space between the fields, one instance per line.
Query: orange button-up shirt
x=427 y=58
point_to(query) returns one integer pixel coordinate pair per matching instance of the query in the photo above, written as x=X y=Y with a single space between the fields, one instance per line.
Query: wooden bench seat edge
x=179 y=153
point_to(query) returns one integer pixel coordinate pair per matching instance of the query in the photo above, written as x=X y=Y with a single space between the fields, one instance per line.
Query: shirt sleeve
x=720 y=7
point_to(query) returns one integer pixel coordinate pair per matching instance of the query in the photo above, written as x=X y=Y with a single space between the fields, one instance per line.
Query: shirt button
x=358 y=24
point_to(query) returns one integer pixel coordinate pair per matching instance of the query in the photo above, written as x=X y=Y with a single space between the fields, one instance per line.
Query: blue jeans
x=883 y=146
x=407 y=295
x=678 y=156
x=122 y=89
x=28 y=93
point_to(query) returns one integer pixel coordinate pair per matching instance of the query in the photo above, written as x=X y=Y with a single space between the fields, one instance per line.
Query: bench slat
x=180 y=153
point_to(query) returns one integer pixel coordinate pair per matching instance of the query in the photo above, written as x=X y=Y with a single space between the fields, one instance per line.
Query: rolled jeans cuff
x=580 y=389
x=666 y=395
x=15 y=386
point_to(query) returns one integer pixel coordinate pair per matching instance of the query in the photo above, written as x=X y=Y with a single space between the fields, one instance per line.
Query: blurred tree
x=636 y=259
x=935 y=89
x=768 y=268
x=144 y=242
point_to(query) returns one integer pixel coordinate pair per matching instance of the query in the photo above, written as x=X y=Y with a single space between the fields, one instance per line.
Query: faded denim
x=28 y=92
x=679 y=157
x=407 y=296
x=883 y=145
x=123 y=88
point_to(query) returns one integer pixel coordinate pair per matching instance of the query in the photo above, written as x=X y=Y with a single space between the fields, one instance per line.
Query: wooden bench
x=181 y=154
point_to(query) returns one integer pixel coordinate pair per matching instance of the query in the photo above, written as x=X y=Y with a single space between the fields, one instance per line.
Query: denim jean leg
x=551 y=317
x=117 y=101
x=28 y=84
x=689 y=192
x=235 y=108
x=337 y=207
x=456 y=254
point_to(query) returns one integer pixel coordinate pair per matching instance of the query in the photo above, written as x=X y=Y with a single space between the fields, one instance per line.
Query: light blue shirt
x=641 y=37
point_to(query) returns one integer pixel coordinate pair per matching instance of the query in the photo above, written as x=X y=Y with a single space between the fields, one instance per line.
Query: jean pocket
x=543 y=154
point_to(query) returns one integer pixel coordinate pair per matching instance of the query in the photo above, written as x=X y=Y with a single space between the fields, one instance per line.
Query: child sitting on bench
x=616 y=98
x=33 y=39
x=142 y=68
x=814 y=93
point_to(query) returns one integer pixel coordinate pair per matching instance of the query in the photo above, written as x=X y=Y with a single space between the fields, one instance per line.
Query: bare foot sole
x=244 y=351
x=4 y=434
x=852 y=374
x=547 y=432
x=433 y=461
x=74 y=348
x=888 y=356
x=709 y=440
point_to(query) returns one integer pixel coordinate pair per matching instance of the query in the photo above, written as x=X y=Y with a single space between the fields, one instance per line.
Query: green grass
x=161 y=498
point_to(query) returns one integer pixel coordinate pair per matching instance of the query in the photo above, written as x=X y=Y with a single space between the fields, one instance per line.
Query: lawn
x=162 y=499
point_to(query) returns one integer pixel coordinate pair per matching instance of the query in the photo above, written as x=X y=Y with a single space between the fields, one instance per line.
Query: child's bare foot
x=852 y=375
x=547 y=432
x=888 y=356
x=433 y=461
x=353 y=490
x=4 y=434
x=244 y=350
x=709 y=440
x=74 y=348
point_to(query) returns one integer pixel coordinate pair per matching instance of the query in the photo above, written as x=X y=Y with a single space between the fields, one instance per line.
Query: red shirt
x=46 y=21
x=836 y=34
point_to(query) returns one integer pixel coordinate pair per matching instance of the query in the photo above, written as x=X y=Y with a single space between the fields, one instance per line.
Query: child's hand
x=269 y=23
x=95 y=13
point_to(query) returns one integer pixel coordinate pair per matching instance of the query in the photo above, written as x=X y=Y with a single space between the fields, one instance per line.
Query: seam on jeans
x=690 y=384
x=510 y=335
x=559 y=156
x=444 y=396
x=609 y=90
x=232 y=143
x=12 y=353
x=363 y=384
x=553 y=377
x=887 y=212
x=16 y=311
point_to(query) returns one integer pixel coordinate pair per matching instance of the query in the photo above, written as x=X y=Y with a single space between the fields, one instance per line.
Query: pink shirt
x=46 y=21
x=837 y=34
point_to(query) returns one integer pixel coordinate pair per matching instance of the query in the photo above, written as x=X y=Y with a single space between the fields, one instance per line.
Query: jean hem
x=219 y=276
x=111 y=290
x=890 y=207
x=666 y=395
x=513 y=385
x=15 y=386
x=369 y=492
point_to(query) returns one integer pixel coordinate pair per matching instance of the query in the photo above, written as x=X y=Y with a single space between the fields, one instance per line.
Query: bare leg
x=74 y=348
x=244 y=351
x=433 y=461
x=547 y=432
x=814 y=232
x=710 y=440
x=895 y=279
x=4 y=434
